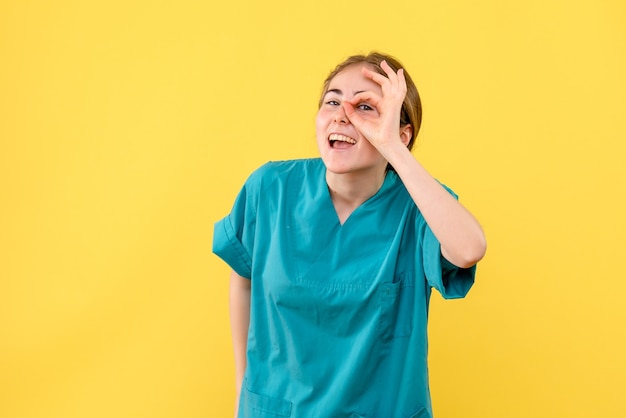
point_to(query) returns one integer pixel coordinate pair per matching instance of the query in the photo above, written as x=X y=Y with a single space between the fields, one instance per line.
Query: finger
x=374 y=76
x=394 y=76
x=386 y=86
x=391 y=75
x=368 y=97
x=402 y=79
x=383 y=104
x=394 y=82
x=353 y=116
x=386 y=68
x=355 y=119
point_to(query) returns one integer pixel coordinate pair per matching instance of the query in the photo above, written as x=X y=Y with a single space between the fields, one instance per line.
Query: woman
x=334 y=259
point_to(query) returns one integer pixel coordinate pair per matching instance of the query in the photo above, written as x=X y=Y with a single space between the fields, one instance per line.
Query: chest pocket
x=397 y=304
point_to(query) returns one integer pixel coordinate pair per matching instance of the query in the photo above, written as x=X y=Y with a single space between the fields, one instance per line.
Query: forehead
x=351 y=79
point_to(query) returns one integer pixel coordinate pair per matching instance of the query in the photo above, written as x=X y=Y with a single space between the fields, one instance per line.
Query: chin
x=343 y=168
x=335 y=167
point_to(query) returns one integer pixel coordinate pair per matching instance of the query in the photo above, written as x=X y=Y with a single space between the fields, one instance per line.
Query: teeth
x=342 y=138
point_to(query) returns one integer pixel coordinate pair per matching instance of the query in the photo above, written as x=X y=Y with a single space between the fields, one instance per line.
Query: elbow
x=474 y=252
x=470 y=253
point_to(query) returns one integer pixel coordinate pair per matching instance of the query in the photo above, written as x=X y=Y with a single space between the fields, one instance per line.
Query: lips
x=339 y=140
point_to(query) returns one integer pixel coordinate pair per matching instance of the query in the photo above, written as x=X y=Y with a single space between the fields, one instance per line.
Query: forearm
x=239 y=298
x=459 y=233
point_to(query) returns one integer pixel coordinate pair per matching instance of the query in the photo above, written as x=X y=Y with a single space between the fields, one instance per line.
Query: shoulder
x=287 y=166
x=276 y=170
x=280 y=171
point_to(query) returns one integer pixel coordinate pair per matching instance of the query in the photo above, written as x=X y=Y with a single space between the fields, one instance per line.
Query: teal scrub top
x=338 y=313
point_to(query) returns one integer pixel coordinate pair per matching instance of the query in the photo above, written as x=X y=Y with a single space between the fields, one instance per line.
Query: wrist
x=395 y=152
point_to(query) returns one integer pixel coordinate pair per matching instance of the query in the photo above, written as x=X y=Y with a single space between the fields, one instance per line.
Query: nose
x=340 y=115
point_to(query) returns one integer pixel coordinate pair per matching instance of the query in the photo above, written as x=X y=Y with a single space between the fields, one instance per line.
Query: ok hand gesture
x=381 y=128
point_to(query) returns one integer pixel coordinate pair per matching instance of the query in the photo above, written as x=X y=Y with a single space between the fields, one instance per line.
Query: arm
x=460 y=235
x=239 y=299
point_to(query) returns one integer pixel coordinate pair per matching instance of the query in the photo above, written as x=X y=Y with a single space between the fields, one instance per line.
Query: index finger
x=374 y=76
x=398 y=75
x=368 y=96
x=391 y=80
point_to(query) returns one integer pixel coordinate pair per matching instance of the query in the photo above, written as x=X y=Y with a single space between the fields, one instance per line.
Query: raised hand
x=381 y=127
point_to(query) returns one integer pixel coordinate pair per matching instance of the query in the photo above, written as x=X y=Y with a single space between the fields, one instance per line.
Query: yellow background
x=128 y=127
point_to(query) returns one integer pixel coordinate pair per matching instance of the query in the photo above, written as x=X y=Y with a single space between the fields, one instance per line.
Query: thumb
x=352 y=115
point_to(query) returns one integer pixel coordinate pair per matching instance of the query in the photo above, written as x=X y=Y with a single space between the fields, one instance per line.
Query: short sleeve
x=451 y=282
x=233 y=236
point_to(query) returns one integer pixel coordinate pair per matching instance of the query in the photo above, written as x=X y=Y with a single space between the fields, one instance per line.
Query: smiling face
x=342 y=148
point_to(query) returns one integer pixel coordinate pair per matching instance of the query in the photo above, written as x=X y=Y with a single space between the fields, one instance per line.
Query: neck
x=348 y=191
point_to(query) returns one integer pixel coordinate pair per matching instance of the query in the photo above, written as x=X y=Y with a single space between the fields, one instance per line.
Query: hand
x=382 y=127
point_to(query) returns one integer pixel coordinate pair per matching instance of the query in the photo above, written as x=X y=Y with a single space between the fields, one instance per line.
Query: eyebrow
x=339 y=92
x=336 y=91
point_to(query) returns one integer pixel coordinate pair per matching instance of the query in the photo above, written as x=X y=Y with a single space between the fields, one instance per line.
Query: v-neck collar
x=389 y=180
x=318 y=242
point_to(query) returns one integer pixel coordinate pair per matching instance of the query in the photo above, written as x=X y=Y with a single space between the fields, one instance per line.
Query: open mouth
x=340 y=141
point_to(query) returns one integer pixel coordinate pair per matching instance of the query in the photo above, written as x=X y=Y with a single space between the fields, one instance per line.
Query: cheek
x=320 y=123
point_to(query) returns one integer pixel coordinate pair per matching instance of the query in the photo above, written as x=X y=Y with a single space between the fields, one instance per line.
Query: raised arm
x=459 y=233
x=239 y=298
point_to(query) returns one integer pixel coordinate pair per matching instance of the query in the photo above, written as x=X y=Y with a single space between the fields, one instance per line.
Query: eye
x=332 y=102
x=365 y=106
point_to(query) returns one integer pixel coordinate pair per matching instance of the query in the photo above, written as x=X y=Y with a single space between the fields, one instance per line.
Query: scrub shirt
x=338 y=313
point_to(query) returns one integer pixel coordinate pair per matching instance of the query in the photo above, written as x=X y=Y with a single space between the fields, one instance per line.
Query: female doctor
x=334 y=258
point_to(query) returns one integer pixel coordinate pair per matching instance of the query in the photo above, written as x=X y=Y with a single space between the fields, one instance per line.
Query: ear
x=406 y=132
